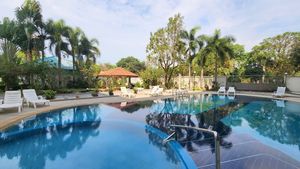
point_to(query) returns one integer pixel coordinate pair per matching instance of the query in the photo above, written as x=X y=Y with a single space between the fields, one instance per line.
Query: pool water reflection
x=82 y=137
x=255 y=133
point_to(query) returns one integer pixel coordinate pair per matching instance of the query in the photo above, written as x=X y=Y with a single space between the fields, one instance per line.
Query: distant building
x=66 y=64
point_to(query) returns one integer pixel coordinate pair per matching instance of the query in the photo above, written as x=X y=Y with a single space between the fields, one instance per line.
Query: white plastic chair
x=231 y=90
x=31 y=97
x=12 y=99
x=154 y=90
x=222 y=90
x=125 y=92
x=280 y=92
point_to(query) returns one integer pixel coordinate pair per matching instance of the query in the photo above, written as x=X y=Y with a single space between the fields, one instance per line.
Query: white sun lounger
x=12 y=99
x=231 y=90
x=154 y=90
x=126 y=93
x=31 y=97
x=280 y=92
x=222 y=90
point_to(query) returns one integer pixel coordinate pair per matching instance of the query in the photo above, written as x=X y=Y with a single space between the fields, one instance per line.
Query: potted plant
x=135 y=90
x=111 y=91
x=95 y=93
x=49 y=94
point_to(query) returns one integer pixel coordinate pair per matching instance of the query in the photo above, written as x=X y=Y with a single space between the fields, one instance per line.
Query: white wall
x=293 y=84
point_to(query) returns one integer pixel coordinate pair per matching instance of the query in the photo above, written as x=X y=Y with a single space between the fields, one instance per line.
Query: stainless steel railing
x=214 y=133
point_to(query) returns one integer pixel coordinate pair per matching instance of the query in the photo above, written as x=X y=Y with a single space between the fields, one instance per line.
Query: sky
x=123 y=26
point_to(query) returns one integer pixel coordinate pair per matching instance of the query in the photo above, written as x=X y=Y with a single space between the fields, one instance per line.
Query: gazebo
x=117 y=73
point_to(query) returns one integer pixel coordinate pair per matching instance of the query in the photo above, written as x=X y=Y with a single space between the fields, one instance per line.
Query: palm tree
x=89 y=50
x=29 y=16
x=193 y=44
x=74 y=38
x=219 y=47
x=200 y=60
x=58 y=33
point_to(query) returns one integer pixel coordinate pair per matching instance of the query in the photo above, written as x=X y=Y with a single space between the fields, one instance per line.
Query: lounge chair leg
x=34 y=105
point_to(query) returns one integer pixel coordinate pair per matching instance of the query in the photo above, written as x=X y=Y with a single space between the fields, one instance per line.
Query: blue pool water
x=83 y=138
x=255 y=133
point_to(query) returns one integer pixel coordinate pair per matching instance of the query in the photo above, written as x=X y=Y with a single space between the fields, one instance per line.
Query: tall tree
x=275 y=53
x=165 y=48
x=74 y=40
x=29 y=17
x=220 y=48
x=58 y=34
x=193 y=44
x=89 y=50
x=296 y=57
x=132 y=64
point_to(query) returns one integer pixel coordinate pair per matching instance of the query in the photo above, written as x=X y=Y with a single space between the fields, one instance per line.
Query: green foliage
x=295 y=57
x=166 y=49
x=106 y=66
x=49 y=94
x=275 y=54
x=23 y=43
x=138 y=84
x=254 y=71
x=90 y=74
x=132 y=64
x=135 y=91
x=151 y=76
x=95 y=93
x=218 y=47
x=193 y=45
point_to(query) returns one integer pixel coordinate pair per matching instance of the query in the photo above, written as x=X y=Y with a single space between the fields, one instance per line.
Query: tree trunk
x=190 y=69
x=42 y=77
x=59 y=69
x=263 y=76
x=216 y=71
x=73 y=71
x=43 y=55
x=166 y=80
x=202 y=78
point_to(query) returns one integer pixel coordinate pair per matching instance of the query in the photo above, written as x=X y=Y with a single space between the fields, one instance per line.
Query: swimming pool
x=255 y=133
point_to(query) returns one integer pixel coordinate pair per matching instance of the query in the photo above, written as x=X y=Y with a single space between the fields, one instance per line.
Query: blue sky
x=123 y=26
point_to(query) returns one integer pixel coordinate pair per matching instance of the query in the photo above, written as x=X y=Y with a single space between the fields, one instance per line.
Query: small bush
x=95 y=93
x=49 y=94
x=135 y=91
x=138 y=84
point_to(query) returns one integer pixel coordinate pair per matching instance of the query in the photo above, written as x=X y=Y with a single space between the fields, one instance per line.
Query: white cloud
x=123 y=26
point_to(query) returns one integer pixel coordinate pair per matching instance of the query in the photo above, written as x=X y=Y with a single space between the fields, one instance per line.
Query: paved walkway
x=8 y=117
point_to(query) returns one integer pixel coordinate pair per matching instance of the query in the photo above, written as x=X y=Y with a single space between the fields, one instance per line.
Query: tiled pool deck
x=252 y=154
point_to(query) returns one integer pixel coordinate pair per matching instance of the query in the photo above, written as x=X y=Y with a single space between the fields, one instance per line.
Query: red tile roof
x=117 y=72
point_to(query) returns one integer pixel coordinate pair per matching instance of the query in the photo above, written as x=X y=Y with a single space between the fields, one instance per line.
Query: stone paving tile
x=255 y=162
x=245 y=153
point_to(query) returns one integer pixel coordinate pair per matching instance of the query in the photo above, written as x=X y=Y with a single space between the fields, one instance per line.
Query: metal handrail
x=216 y=138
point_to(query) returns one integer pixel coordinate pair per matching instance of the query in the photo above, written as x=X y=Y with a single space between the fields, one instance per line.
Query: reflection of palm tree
x=69 y=129
x=180 y=114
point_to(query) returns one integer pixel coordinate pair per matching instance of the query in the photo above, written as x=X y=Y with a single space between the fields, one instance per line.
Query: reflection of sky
x=190 y=105
x=291 y=150
x=274 y=115
x=71 y=146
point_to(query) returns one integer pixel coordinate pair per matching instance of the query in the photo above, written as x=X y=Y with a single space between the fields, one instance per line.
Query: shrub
x=94 y=93
x=138 y=84
x=135 y=91
x=49 y=94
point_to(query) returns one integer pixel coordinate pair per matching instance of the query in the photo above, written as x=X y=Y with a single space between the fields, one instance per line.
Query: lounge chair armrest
x=40 y=97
